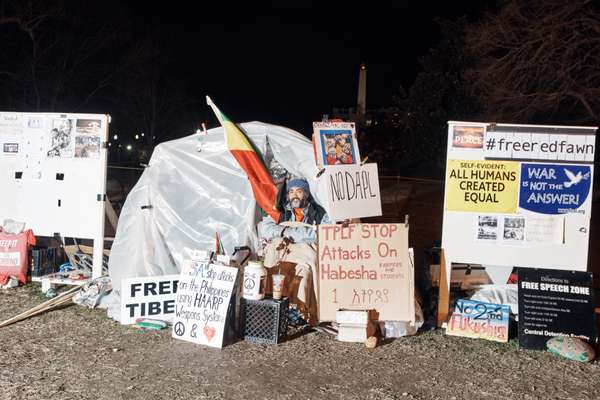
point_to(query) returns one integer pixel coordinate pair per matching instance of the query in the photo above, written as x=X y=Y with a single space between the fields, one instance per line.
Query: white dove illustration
x=574 y=179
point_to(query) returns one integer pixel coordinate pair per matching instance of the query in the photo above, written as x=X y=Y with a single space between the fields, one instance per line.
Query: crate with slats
x=264 y=321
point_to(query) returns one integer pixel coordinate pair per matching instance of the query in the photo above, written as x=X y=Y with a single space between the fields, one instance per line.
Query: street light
x=129 y=147
x=115 y=137
x=137 y=137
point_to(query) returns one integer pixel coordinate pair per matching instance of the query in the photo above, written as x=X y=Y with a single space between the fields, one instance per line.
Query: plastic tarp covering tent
x=193 y=188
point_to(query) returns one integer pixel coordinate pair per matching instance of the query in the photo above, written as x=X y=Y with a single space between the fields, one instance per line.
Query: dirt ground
x=77 y=353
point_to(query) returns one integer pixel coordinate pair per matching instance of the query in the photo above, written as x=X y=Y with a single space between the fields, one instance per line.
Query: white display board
x=518 y=195
x=53 y=174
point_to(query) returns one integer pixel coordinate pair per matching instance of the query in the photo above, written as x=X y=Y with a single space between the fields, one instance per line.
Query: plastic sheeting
x=499 y=294
x=185 y=196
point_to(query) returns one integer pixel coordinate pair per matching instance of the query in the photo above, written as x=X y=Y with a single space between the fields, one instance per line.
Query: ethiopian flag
x=240 y=146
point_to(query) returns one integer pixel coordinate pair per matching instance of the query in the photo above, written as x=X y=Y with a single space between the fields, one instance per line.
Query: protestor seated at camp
x=292 y=248
x=300 y=207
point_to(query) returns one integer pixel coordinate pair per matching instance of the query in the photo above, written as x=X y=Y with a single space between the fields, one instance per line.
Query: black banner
x=555 y=303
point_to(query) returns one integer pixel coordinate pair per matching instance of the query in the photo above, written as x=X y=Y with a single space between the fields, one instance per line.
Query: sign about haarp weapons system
x=202 y=304
x=365 y=266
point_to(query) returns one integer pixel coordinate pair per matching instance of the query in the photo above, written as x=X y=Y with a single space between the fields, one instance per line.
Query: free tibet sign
x=365 y=266
x=148 y=297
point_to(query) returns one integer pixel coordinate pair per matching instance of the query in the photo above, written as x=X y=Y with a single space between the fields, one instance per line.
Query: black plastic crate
x=43 y=261
x=264 y=321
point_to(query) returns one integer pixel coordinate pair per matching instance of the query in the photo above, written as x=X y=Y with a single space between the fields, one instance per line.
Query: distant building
x=361 y=115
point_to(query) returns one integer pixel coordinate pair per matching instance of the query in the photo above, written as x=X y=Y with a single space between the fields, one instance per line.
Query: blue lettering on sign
x=554 y=189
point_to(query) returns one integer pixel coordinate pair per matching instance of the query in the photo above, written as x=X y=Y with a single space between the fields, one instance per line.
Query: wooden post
x=444 y=295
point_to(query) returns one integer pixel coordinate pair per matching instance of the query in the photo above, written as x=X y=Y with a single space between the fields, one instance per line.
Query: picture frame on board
x=335 y=143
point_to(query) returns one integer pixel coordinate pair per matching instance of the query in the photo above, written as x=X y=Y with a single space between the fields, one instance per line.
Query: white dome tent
x=185 y=196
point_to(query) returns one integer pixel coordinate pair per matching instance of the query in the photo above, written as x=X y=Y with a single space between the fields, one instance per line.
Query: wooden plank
x=444 y=292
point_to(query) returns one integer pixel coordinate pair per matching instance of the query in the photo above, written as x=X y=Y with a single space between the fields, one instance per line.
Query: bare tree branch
x=537 y=60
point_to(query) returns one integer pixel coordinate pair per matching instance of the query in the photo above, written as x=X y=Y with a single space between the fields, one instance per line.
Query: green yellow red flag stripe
x=251 y=161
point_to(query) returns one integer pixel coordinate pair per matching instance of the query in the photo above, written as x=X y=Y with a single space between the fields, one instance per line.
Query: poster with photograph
x=61 y=138
x=487 y=228
x=335 y=143
x=87 y=139
x=468 y=137
x=514 y=229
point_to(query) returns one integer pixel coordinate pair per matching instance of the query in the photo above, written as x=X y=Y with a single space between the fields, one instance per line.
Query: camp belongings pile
x=134 y=306
x=524 y=205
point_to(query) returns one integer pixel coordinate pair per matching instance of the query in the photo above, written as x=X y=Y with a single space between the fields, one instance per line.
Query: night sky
x=289 y=64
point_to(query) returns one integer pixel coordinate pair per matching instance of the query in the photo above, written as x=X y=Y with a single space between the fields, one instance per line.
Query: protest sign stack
x=361 y=266
x=520 y=196
x=352 y=188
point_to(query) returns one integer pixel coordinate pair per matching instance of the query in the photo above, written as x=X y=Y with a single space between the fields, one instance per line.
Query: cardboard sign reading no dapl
x=352 y=191
x=365 y=266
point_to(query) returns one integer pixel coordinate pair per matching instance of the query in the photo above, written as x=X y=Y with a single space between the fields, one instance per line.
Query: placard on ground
x=148 y=297
x=555 y=303
x=365 y=266
x=202 y=305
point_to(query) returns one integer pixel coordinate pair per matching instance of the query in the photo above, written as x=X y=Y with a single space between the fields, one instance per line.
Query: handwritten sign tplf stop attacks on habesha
x=365 y=266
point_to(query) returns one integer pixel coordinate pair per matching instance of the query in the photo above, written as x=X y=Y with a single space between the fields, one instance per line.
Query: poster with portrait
x=61 y=139
x=87 y=138
x=335 y=143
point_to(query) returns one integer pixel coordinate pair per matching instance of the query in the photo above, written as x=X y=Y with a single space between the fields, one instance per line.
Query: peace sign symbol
x=179 y=329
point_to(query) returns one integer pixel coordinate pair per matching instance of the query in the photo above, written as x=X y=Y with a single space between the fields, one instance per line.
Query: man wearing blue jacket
x=293 y=241
x=300 y=207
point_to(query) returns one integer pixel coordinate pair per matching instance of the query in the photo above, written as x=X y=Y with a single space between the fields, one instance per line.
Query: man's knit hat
x=298 y=183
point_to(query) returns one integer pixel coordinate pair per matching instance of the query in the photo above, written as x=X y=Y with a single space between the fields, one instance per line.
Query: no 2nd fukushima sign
x=365 y=266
